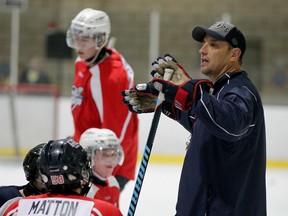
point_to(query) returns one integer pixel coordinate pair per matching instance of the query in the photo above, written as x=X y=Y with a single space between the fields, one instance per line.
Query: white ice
x=159 y=190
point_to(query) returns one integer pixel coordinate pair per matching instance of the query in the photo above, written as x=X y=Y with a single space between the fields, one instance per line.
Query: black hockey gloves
x=141 y=98
x=181 y=90
x=179 y=75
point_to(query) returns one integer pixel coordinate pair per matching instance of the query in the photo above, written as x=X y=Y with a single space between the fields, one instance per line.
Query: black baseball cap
x=222 y=31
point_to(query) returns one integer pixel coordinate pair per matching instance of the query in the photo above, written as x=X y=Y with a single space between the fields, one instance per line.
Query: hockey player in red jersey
x=65 y=170
x=100 y=76
x=105 y=152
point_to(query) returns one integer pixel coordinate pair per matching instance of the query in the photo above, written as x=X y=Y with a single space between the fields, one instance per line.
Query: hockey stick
x=148 y=149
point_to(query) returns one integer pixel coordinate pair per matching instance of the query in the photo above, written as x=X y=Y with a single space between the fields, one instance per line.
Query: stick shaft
x=145 y=160
x=148 y=149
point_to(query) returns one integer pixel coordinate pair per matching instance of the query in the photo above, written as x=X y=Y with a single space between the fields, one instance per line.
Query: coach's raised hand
x=179 y=75
x=180 y=90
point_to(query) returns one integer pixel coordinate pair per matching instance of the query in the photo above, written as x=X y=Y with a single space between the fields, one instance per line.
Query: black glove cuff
x=169 y=110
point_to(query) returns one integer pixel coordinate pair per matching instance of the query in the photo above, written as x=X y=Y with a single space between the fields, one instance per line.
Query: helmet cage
x=95 y=139
x=116 y=149
x=100 y=39
x=90 y=23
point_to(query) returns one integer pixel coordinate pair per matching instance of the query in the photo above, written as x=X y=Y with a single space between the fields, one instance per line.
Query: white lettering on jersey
x=54 y=207
x=76 y=96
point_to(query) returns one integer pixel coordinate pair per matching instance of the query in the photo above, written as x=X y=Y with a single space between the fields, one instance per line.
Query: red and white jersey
x=97 y=102
x=58 y=205
x=109 y=193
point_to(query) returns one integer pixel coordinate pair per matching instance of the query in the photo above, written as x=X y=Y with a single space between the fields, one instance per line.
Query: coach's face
x=216 y=56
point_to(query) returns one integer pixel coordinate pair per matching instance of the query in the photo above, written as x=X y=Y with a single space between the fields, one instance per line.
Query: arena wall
x=170 y=141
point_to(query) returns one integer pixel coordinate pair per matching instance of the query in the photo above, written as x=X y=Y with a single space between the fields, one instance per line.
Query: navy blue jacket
x=9 y=192
x=224 y=168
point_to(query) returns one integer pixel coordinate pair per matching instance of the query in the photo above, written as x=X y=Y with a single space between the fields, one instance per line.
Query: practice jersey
x=61 y=205
x=7 y=204
x=97 y=103
x=108 y=190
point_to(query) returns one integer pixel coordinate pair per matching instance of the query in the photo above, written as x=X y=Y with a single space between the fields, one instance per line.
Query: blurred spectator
x=34 y=73
x=4 y=73
x=279 y=78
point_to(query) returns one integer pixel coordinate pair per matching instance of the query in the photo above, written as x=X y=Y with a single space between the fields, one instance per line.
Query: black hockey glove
x=181 y=90
x=179 y=75
x=141 y=99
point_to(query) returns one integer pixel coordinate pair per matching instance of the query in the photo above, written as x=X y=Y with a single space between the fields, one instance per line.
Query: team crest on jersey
x=80 y=74
x=77 y=96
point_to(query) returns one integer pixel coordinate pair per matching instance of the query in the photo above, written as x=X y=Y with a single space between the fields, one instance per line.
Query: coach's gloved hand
x=181 y=90
x=179 y=75
x=141 y=99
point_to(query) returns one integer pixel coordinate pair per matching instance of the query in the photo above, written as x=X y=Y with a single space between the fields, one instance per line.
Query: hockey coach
x=225 y=164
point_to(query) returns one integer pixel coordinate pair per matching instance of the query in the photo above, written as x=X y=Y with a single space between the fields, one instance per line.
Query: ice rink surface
x=159 y=190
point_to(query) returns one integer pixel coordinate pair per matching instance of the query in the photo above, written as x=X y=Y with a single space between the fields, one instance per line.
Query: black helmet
x=64 y=167
x=30 y=162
